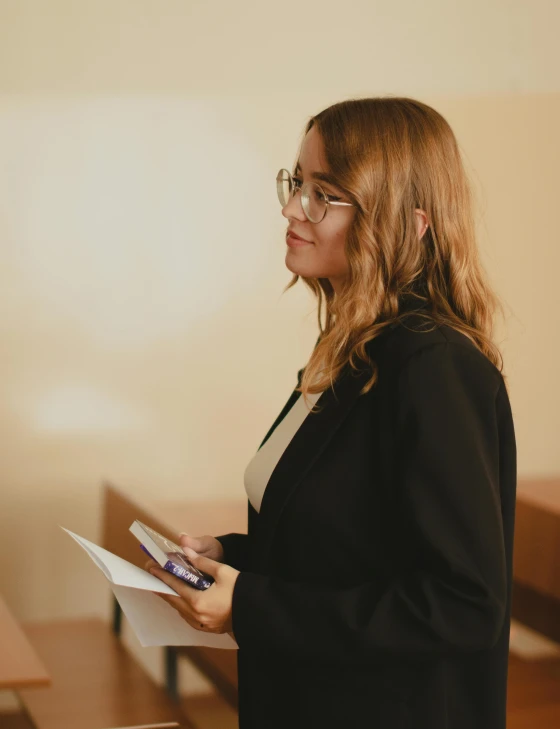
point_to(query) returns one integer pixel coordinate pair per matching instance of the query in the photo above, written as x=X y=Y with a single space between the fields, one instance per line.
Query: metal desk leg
x=117 y=617
x=171 y=659
x=171 y=672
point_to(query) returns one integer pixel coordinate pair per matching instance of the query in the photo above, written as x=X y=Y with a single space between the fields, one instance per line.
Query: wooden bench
x=96 y=683
x=20 y=666
x=536 y=590
x=536 y=555
x=120 y=509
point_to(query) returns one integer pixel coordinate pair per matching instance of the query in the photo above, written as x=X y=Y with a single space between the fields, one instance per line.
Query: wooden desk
x=121 y=508
x=537 y=535
x=20 y=666
x=96 y=682
x=536 y=556
x=536 y=559
x=537 y=527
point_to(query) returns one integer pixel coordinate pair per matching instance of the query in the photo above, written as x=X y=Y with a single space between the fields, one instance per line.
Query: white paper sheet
x=152 y=619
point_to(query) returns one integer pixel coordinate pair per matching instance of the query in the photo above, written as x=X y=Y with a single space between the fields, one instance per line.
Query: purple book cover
x=177 y=563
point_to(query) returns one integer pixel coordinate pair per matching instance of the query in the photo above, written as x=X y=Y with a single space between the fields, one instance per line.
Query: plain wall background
x=145 y=338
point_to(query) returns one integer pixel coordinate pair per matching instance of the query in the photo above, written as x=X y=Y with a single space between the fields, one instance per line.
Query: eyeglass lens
x=313 y=199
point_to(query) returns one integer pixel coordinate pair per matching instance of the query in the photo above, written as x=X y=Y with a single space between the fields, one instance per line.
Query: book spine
x=151 y=556
x=199 y=582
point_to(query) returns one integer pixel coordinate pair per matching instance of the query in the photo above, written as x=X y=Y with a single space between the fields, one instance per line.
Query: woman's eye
x=298 y=183
x=332 y=198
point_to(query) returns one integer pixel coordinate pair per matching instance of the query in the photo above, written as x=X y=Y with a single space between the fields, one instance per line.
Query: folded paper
x=153 y=621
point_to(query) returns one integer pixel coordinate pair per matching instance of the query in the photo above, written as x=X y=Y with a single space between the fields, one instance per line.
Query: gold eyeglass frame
x=304 y=189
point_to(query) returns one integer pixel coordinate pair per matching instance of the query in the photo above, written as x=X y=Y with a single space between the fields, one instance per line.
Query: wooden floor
x=96 y=683
x=533 y=701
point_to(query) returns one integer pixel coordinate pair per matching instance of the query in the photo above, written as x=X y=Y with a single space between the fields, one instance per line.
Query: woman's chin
x=298 y=270
x=296 y=265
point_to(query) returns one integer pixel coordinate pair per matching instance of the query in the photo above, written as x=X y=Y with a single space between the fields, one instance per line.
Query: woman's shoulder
x=418 y=341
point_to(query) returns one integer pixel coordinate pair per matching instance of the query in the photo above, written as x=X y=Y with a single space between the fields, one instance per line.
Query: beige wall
x=144 y=336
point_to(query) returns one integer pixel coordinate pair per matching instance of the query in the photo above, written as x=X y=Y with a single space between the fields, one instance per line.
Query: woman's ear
x=421 y=222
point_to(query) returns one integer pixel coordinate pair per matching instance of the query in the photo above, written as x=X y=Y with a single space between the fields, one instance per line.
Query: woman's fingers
x=196 y=543
x=190 y=553
x=190 y=594
x=200 y=545
x=184 y=610
x=188 y=612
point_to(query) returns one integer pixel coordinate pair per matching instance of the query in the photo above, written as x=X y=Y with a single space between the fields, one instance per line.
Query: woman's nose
x=293 y=208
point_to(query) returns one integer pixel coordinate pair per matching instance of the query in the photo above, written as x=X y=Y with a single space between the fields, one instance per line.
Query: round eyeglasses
x=314 y=200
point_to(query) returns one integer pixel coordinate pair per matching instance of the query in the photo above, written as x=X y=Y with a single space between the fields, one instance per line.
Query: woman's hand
x=206 y=610
x=206 y=546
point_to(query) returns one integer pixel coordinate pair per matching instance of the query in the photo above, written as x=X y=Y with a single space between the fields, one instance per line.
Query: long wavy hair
x=392 y=155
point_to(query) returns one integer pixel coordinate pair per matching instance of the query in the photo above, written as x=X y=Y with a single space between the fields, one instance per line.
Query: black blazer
x=375 y=585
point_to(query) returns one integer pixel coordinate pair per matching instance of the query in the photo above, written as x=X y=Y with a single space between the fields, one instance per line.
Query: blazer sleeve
x=236 y=550
x=453 y=600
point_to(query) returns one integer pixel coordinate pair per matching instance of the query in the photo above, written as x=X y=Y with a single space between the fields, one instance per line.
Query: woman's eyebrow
x=323 y=176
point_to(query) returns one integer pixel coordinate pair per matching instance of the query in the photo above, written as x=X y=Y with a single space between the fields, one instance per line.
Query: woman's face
x=322 y=256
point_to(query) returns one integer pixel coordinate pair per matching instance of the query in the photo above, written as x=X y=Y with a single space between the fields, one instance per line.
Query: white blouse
x=263 y=463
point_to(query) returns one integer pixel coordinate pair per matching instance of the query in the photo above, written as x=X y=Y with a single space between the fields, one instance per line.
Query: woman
x=373 y=588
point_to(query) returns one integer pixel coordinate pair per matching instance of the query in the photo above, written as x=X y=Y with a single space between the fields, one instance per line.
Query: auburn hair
x=391 y=155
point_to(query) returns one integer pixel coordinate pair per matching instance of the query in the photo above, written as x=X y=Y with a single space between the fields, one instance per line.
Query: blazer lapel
x=304 y=449
x=311 y=439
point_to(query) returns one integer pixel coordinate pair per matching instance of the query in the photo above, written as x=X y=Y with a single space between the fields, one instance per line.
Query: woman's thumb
x=187 y=541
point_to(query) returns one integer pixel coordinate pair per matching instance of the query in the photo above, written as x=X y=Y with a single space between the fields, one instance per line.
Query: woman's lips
x=294 y=242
